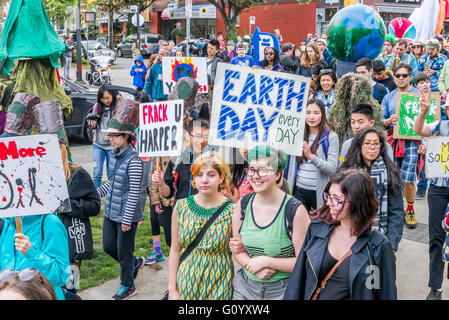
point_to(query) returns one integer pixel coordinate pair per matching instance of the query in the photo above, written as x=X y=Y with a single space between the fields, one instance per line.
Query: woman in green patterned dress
x=207 y=272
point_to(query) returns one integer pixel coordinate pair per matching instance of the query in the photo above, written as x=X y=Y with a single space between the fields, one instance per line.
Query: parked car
x=193 y=43
x=148 y=41
x=93 y=47
x=83 y=100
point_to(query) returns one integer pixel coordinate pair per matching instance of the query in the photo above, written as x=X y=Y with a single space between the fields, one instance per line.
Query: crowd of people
x=309 y=228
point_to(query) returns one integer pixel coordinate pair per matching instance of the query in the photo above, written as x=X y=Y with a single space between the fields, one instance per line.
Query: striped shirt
x=135 y=171
x=307 y=172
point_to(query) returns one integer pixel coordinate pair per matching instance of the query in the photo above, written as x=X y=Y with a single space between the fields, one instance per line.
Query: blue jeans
x=422 y=185
x=98 y=156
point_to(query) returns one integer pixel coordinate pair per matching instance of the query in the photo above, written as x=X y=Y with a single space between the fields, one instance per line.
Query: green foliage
x=57 y=10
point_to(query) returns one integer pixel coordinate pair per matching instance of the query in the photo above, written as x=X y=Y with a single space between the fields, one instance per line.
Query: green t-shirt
x=271 y=240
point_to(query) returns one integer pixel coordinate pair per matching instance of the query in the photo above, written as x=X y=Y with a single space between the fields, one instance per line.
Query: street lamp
x=79 y=74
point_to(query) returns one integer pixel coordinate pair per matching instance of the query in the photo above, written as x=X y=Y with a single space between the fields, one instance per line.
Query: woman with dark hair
x=271 y=60
x=368 y=151
x=309 y=174
x=312 y=55
x=325 y=82
x=98 y=121
x=342 y=257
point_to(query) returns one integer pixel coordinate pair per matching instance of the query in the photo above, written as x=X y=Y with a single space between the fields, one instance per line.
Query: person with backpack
x=309 y=174
x=364 y=68
x=200 y=262
x=342 y=257
x=84 y=203
x=268 y=228
x=368 y=151
x=125 y=196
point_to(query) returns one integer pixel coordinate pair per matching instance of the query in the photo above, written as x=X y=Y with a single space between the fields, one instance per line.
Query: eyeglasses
x=327 y=197
x=269 y=53
x=262 y=172
x=401 y=75
x=24 y=275
x=370 y=145
x=200 y=137
x=115 y=135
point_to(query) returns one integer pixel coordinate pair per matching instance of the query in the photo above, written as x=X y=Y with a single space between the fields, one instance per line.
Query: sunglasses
x=269 y=53
x=24 y=275
x=401 y=75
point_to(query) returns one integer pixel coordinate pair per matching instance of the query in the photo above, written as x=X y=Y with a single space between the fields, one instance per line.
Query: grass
x=102 y=267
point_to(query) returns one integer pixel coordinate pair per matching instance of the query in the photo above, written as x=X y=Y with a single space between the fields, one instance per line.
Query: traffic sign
x=134 y=20
x=252 y=20
x=133 y=9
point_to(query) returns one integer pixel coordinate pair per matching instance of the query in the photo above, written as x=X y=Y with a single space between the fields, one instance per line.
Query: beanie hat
x=48 y=119
x=19 y=118
x=125 y=118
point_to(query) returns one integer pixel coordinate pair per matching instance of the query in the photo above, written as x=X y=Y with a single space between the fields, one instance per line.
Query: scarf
x=379 y=175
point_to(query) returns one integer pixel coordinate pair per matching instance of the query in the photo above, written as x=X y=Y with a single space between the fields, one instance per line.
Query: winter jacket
x=326 y=167
x=213 y=66
x=50 y=256
x=372 y=268
x=154 y=85
x=84 y=203
x=138 y=79
x=290 y=64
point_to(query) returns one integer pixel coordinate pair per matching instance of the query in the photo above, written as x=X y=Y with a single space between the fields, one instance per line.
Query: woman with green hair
x=269 y=227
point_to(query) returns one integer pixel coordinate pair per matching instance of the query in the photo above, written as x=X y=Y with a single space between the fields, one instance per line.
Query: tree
x=57 y=10
x=231 y=9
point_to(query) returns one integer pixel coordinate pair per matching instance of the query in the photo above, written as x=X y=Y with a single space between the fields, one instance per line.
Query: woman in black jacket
x=368 y=151
x=85 y=203
x=343 y=230
x=311 y=56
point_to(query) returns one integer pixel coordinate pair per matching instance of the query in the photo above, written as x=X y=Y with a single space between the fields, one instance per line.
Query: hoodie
x=50 y=256
x=138 y=80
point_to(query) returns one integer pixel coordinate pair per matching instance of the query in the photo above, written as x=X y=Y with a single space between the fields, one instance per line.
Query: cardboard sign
x=437 y=157
x=32 y=179
x=407 y=107
x=262 y=40
x=160 y=128
x=254 y=106
x=175 y=68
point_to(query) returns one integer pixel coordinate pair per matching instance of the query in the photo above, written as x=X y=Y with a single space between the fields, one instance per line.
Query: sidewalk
x=412 y=268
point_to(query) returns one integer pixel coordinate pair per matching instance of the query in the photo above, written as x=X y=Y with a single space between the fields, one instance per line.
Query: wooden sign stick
x=19 y=224
x=158 y=164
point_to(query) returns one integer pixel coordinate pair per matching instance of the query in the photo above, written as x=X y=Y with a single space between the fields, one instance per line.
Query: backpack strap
x=244 y=203
x=290 y=212
x=2 y=223
x=324 y=141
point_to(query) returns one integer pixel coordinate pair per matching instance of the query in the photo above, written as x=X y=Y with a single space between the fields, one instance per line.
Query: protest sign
x=160 y=128
x=175 y=68
x=437 y=157
x=407 y=107
x=261 y=41
x=254 y=106
x=32 y=179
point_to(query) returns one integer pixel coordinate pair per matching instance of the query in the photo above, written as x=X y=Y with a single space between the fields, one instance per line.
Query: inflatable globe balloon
x=402 y=28
x=356 y=32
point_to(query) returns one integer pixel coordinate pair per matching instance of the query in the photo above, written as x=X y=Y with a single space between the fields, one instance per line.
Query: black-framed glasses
x=115 y=135
x=262 y=172
x=23 y=275
x=401 y=75
x=335 y=201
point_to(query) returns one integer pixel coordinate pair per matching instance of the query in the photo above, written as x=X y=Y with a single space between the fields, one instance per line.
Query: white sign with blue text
x=258 y=107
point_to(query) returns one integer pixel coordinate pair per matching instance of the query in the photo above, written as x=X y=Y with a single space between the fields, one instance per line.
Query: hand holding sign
x=22 y=243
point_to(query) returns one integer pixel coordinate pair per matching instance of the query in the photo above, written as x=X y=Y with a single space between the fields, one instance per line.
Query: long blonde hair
x=305 y=60
x=68 y=167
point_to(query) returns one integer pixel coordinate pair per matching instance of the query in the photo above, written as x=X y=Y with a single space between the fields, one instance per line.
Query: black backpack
x=290 y=210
